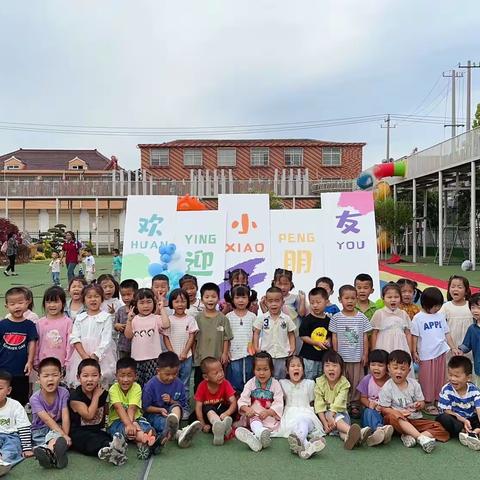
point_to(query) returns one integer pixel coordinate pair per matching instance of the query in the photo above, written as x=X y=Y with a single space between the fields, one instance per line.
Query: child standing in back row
x=364 y=286
x=471 y=342
x=327 y=284
x=128 y=290
x=407 y=290
x=349 y=338
x=431 y=342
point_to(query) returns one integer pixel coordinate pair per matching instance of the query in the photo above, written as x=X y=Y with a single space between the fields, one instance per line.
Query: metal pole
x=440 y=219
x=96 y=224
x=473 y=210
x=424 y=235
x=57 y=211
x=108 y=226
x=469 y=96
x=454 y=120
x=24 y=220
x=388 y=137
x=414 y=223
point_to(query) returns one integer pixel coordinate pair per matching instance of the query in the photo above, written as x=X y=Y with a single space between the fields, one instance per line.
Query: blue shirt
x=464 y=406
x=471 y=342
x=154 y=389
x=14 y=340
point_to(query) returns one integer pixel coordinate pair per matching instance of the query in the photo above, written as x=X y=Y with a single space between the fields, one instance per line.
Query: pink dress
x=260 y=399
x=53 y=339
x=391 y=326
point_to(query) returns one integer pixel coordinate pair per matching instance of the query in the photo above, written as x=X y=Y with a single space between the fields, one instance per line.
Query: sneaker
x=60 y=453
x=265 y=438
x=143 y=451
x=353 y=437
x=246 y=436
x=4 y=467
x=388 y=431
x=427 y=443
x=308 y=451
x=295 y=444
x=227 y=421
x=408 y=441
x=376 y=438
x=172 y=426
x=365 y=432
x=6 y=273
x=105 y=454
x=185 y=436
x=44 y=456
x=14 y=274
x=185 y=415
x=470 y=440
x=118 y=459
x=319 y=444
x=218 y=430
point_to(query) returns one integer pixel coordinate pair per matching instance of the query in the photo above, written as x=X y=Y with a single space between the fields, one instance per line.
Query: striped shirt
x=465 y=405
x=350 y=331
x=179 y=331
x=242 y=329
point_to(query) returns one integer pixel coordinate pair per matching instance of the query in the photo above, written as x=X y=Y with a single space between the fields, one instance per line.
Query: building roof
x=45 y=159
x=276 y=142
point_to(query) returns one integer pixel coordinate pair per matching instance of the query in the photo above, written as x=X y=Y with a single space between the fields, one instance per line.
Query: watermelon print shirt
x=14 y=340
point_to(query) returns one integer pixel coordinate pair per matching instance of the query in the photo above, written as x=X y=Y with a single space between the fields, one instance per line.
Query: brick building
x=252 y=158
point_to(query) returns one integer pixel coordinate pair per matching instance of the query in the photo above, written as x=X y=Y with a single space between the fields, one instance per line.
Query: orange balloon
x=188 y=203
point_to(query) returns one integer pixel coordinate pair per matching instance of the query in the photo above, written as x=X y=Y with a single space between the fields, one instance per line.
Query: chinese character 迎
x=245 y=224
x=199 y=262
x=150 y=225
x=347 y=222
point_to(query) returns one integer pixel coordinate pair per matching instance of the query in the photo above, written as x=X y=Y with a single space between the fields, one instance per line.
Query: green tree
x=276 y=202
x=393 y=217
x=476 y=118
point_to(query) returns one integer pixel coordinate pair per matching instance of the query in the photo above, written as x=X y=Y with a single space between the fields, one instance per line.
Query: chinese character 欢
x=347 y=222
x=245 y=224
x=199 y=262
x=150 y=225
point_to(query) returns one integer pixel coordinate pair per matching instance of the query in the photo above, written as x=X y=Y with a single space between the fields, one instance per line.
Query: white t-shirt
x=430 y=328
x=89 y=264
x=391 y=396
x=55 y=265
x=242 y=330
x=12 y=417
x=274 y=336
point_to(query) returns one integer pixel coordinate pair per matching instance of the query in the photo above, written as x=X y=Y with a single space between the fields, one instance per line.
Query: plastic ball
x=165 y=258
x=365 y=181
x=467 y=265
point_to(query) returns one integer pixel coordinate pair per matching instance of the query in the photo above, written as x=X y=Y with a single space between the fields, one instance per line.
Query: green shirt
x=371 y=309
x=327 y=398
x=132 y=397
x=212 y=333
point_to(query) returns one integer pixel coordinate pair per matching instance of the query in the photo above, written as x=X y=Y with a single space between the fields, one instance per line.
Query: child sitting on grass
x=460 y=403
x=88 y=409
x=331 y=393
x=125 y=412
x=401 y=404
x=215 y=401
x=164 y=400
x=51 y=419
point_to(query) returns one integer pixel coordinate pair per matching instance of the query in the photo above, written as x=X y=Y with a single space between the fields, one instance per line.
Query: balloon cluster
x=392 y=169
x=167 y=254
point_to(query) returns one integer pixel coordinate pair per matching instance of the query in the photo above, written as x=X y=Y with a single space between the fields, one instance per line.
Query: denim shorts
x=117 y=426
x=41 y=436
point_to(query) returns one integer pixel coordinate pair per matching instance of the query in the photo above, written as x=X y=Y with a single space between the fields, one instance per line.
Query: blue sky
x=213 y=63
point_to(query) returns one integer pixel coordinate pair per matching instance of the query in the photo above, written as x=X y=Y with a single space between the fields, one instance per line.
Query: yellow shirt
x=132 y=397
x=327 y=398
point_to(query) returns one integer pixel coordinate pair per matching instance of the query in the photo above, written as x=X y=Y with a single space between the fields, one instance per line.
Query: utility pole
x=469 y=67
x=388 y=127
x=454 y=75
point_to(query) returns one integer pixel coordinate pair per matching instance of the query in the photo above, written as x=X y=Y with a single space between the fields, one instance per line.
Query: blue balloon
x=155 y=269
x=162 y=249
x=164 y=266
x=171 y=247
x=165 y=258
x=365 y=181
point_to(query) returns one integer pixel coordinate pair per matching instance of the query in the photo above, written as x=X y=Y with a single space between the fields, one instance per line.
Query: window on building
x=293 y=157
x=76 y=167
x=259 y=156
x=192 y=157
x=332 y=156
x=226 y=157
x=12 y=167
x=159 y=157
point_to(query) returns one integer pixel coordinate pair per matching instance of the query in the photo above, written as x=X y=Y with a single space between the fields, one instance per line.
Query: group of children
x=113 y=371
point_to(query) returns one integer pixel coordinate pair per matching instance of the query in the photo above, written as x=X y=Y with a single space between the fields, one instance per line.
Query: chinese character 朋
x=150 y=225
x=347 y=222
x=199 y=262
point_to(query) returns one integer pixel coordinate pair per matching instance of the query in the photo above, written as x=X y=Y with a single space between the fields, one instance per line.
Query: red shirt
x=224 y=392
x=71 y=249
